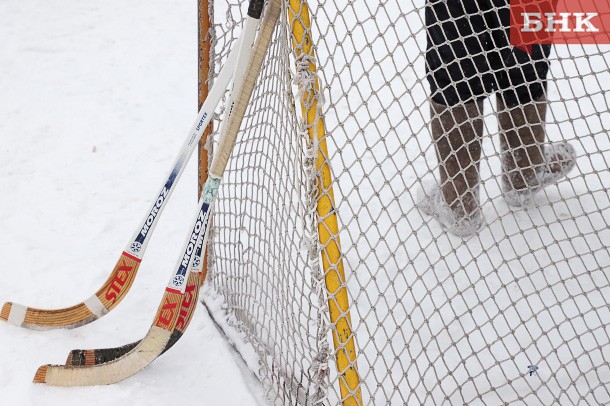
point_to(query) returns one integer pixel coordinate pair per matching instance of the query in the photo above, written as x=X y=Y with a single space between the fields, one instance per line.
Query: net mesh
x=515 y=313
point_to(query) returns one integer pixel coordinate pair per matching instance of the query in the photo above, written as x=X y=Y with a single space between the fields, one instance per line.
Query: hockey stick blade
x=159 y=335
x=187 y=307
x=121 y=279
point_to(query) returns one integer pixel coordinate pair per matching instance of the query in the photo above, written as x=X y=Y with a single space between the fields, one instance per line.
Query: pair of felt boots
x=529 y=163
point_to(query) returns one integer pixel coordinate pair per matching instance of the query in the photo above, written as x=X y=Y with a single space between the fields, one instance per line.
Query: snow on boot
x=455 y=221
x=559 y=161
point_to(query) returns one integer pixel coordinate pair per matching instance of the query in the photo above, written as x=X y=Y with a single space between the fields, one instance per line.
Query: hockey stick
x=121 y=279
x=153 y=344
x=162 y=327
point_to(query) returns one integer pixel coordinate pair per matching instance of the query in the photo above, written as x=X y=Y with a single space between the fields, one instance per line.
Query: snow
x=95 y=101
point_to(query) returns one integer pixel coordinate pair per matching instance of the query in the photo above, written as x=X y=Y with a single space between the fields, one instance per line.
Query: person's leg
x=529 y=162
x=456 y=132
x=521 y=141
x=458 y=74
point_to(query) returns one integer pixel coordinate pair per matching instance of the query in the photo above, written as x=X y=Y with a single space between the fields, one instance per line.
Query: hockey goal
x=387 y=307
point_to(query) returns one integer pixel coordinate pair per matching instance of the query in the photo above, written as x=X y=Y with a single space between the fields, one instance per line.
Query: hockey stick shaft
x=120 y=280
x=165 y=321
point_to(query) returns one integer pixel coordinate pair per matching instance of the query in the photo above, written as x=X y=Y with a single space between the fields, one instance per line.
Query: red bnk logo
x=536 y=22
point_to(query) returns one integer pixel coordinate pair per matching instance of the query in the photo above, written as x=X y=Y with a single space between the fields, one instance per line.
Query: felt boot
x=456 y=132
x=529 y=163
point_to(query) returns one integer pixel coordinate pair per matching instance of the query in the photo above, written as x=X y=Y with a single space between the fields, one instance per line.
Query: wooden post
x=204 y=54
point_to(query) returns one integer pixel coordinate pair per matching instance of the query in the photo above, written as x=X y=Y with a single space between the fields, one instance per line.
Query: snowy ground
x=95 y=99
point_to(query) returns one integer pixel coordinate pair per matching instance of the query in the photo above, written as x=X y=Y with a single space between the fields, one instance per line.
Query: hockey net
x=518 y=313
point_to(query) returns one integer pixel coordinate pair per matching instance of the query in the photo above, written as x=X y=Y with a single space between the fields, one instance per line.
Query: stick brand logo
x=187 y=301
x=536 y=22
x=154 y=212
x=201 y=223
x=196 y=261
x=201 y=121
x=118 y=282
x=178 y=280
x=166 y=314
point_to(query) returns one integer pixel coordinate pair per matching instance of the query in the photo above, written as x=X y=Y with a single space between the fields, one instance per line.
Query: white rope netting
x=516 y=313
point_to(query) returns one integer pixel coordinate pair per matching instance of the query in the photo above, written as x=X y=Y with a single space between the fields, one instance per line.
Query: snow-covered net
x=517 y=313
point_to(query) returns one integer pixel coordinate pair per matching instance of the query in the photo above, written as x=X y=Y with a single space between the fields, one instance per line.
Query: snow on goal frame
x=516 y=314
